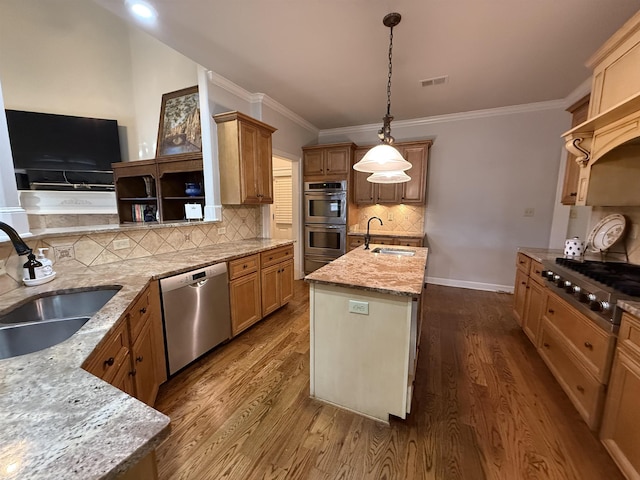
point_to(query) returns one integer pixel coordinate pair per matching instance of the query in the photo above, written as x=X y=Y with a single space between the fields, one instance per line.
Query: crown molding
x=451 y=117
x=260 y=98
x=579 y=92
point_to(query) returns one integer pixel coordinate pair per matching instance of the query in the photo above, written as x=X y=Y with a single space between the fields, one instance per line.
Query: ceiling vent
x=435 y=81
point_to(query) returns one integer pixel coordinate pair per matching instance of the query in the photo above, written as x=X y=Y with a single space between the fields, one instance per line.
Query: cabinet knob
x=573 y=194
x=270 y=258
x=580 y=388
x=143 y=310
x=110 y=361
x=588 y=345
x=133 y=372
x=546 y=345
x=244 y=266
x=551 y=311
x=139 y=358
x=523 y=283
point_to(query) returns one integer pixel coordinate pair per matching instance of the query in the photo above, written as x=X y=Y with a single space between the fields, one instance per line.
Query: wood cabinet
x=276 y=278
x=132 y=356
x=412 y=192
x=356 y=240
x=620 y=431
x=244 y=293
x=579 y=111
x=258 y=285
x=330 y=162
x=244 y=155
x=520 y=295
x=159 y=183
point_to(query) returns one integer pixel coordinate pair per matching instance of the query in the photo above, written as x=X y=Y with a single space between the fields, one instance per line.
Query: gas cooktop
x=622 y=277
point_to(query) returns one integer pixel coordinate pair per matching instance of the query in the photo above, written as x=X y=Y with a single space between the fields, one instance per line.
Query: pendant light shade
x=397 y=176
x=382 y=158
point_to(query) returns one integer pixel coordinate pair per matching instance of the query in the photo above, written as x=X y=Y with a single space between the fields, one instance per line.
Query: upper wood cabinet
x=412 y=192
x=580 y=111
x=244 y=154
x=327 y=161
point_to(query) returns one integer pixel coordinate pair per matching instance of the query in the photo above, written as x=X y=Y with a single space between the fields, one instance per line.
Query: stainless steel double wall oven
x=325 y=215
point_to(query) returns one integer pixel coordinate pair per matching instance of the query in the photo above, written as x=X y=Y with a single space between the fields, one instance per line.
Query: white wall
x=484 y=170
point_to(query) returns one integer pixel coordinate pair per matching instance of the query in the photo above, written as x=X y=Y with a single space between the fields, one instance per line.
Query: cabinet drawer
x=523 y=262
x=107 y=359
x=277 y=255
x=535 y=272
x=243 y=266
x=139 y=312
x=629 y=335
x=408 y=242
x=586 y=393
x=355 y=241
x=594 y=346
x=383 y=240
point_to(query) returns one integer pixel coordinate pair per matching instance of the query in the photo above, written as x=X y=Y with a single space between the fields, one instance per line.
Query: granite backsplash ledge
x=97 y=247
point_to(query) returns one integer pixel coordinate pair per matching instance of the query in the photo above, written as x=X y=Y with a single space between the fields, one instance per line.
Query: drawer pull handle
x=522 y=263
x=139 y=358
x=551 y=311
x=580 y=388
x=270 y=258
x=546 y=345
x=244 y=266
x=143 y=310
x=588 y=345
x=133 y=372
x=110 y=361
x=523 y=283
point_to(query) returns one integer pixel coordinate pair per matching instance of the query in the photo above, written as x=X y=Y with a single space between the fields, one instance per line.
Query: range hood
x=607 y=145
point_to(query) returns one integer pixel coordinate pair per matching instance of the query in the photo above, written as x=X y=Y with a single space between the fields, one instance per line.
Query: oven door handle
x=325 y=195
x=325 y=227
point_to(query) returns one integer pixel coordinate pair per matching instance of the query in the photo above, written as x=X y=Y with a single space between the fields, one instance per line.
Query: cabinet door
x=415 y=190
x=264 y=167
x=388 y=193
x=312 y=163
x=249 y=164
x=408 y=242
x=534 y=307
x=124 y=377
x=270 y=287
x=286 y=282
x=144 y=371
x=362 y=190
x=520 y=295
x=244 y=293
x=580 y=111
x=337 y=161
x=620 y=431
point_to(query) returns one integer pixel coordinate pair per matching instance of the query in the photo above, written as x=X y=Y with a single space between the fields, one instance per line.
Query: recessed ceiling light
x=141 y=9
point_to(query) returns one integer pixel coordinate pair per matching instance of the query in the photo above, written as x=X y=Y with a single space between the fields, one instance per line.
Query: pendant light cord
x=390 y=70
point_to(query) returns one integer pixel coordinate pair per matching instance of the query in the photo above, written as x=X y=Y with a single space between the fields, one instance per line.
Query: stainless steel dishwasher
x=196 y=313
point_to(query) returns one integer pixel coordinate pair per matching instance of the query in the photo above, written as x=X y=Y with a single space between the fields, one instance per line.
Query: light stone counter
x=59 y=422
x=630 y=306
x=377 y=272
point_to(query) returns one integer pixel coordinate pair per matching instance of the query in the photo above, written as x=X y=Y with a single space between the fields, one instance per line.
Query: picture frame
x=179 y=131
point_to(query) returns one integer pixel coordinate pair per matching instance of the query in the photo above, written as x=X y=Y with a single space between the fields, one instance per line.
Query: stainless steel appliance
x=325 y=231
x=196 y=313
x=325 y=202
x=594 y=287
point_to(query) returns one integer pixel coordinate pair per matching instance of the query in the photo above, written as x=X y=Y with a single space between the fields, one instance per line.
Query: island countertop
x=59 y=421
x=384 y=273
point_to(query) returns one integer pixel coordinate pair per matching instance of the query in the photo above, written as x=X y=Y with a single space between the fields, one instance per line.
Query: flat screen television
x=62 y=149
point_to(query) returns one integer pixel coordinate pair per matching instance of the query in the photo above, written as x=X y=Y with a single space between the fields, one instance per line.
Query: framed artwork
x=179 y=132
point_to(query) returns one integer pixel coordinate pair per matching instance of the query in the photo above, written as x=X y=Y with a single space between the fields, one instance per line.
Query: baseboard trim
x=490 y=287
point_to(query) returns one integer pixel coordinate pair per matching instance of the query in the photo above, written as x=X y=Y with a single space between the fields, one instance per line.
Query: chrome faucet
x=367 y=237
x=21 y=249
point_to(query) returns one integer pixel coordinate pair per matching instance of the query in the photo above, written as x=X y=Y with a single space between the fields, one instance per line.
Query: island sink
x=393 y=251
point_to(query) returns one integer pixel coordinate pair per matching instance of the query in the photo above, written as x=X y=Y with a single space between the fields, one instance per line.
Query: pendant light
x=385 y=161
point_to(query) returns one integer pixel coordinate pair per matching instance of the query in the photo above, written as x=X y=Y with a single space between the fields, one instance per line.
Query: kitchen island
x=365 y=320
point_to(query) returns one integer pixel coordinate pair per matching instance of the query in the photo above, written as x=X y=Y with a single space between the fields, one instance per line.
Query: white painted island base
x=363 y=362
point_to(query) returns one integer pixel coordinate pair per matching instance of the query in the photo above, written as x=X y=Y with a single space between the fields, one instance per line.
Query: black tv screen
x=62 y=143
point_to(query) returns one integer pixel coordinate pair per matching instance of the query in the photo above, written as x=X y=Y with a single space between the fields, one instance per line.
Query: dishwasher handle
x=199 y=284
x=184 y=280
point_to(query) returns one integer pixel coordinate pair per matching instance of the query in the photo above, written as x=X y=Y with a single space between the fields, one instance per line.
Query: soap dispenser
x=47 y=264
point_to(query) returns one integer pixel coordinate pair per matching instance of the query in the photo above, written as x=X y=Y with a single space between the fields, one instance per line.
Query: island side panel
x=360 y=362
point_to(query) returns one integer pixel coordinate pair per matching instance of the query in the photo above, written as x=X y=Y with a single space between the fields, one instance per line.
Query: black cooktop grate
x=623 y=277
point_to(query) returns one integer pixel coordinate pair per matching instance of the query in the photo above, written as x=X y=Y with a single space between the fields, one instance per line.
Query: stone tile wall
x=238 y=223
x=395 y=218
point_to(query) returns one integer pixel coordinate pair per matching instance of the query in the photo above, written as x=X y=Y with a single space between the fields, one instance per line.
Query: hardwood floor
x=485 y=407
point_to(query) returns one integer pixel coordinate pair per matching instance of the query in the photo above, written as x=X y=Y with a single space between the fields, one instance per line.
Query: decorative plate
x=607 y=232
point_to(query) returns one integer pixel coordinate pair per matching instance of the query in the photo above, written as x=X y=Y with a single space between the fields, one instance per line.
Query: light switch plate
x=121 y=244
x=222 y=230
x=361 y=308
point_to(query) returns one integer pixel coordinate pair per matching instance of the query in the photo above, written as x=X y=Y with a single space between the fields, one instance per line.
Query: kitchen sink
x=21 y=339
x=393 y=251
x=58 y=306
x=48 y=320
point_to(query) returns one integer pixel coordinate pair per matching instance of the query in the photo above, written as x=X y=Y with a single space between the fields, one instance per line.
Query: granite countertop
x=383 y=233
x=360 y=268
x=59 y=421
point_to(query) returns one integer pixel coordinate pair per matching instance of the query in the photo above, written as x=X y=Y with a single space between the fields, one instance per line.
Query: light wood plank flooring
x=485 y=407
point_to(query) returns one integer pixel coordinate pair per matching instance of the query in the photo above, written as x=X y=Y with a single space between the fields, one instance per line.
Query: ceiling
x=326 y=60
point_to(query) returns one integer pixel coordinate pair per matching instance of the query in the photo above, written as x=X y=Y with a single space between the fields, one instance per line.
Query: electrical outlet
x=3 y=270
x=64 y=252
x=121 y=244
x=573 y=214
x=528 y=212
x=187 y=237
x=361 y=308
x=635 y=228
x=222 y=231
x=390 y=216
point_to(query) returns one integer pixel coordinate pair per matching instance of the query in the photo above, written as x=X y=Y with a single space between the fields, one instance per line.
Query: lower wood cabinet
x=132 y=356
x=354 y=241
x=520 y=295
x=534 y=307
x=258 y=285
x=620 y=431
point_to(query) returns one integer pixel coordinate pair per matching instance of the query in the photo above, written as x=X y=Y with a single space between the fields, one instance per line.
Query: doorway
x=281 y=211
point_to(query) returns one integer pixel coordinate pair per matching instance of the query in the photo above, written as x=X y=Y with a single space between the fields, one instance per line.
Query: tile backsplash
x=238 y=223
x=395 y=218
